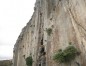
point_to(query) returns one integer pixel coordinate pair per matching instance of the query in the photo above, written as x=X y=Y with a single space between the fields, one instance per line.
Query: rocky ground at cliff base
x=5 y=63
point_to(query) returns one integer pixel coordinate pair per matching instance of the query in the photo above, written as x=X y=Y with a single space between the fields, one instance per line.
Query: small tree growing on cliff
x=67 y=55
x=29 y=61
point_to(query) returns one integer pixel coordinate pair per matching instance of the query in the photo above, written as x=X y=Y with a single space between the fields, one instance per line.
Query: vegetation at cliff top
x=29 y=61
x=66 y=55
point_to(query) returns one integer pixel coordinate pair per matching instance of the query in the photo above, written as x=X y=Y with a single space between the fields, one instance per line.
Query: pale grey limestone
x=67 y=18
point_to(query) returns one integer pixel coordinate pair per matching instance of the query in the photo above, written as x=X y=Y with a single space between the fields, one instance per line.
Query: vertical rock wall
x=66 y=19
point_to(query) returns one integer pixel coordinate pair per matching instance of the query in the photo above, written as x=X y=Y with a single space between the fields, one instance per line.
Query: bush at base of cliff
x=67 y=55
x=29 y=61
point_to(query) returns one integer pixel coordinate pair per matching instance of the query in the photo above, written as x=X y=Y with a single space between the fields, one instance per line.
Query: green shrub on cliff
x=29 y=61
x=67 y=55
x=49 y=31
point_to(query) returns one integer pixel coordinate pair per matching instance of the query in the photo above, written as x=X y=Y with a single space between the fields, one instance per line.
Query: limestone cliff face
x=66 y=19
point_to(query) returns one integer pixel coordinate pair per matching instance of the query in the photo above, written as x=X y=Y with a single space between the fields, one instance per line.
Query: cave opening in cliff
x=42 y=49
x=42 y=41
x=39 y=64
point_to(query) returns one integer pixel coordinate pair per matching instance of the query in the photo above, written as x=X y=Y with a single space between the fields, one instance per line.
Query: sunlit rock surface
x=67 y=19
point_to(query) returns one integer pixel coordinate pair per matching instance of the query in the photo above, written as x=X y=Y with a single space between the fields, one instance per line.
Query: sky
x=14 y=14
